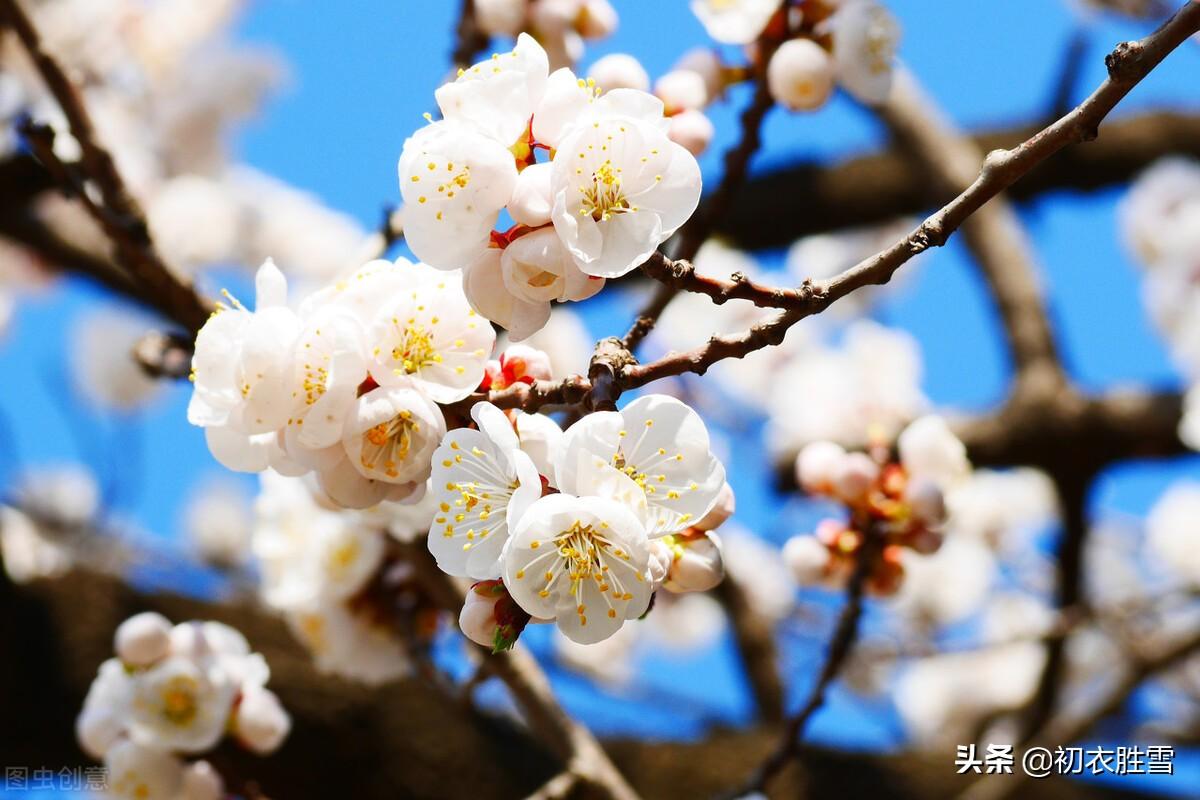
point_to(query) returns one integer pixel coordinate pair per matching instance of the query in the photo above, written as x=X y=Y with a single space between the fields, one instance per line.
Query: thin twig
x=117 y=211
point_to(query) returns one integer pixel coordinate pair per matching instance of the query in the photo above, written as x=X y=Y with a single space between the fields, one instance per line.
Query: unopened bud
x=800 y=75
x=619 y=71
x=143 y=639
x=807 y=558
x=201 y=781
x=692 y=130
x=817 y=465
x=260 y=722
x=707 y=64
x=697 y=565
x=926 y=501
x=854 y=477
x=661 y=557
x=597 y=19
x=532 y=199
x=681 y=90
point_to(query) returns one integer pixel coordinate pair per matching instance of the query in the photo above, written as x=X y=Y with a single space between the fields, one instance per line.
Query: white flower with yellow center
x=621 y=188
x=179 y=706
x=428 y=336
x=661 y=445
x=347 y=644
x=387 y=446
x=581 y=561
x=735 y=21
x=483 y=483
x=865 y=35
x=458 y=173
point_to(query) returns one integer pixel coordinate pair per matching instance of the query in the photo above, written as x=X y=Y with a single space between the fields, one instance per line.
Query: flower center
x=179 y=705
x=389 y=443
x=604 y=197
x=415 y=349
x=584 y=553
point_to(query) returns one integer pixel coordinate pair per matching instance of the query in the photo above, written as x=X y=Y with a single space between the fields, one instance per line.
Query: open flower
x=457 y=174
x=139 y=772
x=661 y=445
x=483 y=483
x=179 y=706
x=581 y=561
x=865 y=35
x=429 y=337
x=387 y=443
x=621 y=188
x=735 y=21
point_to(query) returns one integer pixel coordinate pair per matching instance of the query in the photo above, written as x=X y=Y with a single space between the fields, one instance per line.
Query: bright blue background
x=362 y=75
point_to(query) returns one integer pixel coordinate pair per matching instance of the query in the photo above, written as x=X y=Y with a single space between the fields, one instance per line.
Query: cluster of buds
x=812 y=46
x=893 y=504
x=517 y=364
x=561 y=26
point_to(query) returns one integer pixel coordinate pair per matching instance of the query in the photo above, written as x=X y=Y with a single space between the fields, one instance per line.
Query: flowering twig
x=845 y=634
x=701 y=226
x=117 y=212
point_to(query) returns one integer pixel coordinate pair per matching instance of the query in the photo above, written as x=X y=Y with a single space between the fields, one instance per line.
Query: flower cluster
x=348 y=386
x=592 y=182
x=326 y=570
x=851 y=43
x=173 y=692
x=900 y=503
x=561 y=26
x=582 y=526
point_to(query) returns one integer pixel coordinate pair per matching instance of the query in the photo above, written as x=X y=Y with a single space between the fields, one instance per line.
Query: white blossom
x=696 y=565
x=483 y=483
x=691 y=130
x=619 y=71
x=929 y=448
x=143 y=639
x=180 y=706
x=735 y=21
x=101 y=357
x=218 y=520
x=1171 y=532
x=865 y=35
x=346 y=644
x=681 y=90
x=142 y=772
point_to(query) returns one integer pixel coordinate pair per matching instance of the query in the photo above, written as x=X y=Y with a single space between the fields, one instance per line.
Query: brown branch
x=1072 y=727
x=117 y=212
x=718 y=204
x=845 y=634
x=755 y=637
x=879 y=187
x=994 y=235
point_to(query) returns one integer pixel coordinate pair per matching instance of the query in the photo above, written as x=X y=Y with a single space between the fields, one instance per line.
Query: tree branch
x=117 y=212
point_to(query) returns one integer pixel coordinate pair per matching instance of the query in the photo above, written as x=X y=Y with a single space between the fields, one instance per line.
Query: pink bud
x=817 y=465
x=854 y=477
x=807 y=558
x=707 y=64
x=477 y=620
x=522 y=362
x=681 y=90
x=926 y=500
x=260 y=723
x=661 y=557
x=597 y=19
x=691 y=130
x=201 y=781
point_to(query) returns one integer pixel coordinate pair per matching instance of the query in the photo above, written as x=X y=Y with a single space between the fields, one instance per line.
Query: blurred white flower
x=619 y=71
x=1172 y=535
x=760 y=570
x=735 y=21
x=218 y=520
x=800 y=75
x=101 y=357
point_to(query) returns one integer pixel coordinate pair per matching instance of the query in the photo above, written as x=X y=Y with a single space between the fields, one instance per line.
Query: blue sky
x=363 y=73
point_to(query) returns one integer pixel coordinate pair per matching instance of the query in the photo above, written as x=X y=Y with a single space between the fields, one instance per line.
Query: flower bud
x=930 y=449
x=926 y=501
x=201 y=781
x=817 y=465
x=477 y=620
x=143 y=639
x=697 y=566
x=692 y=130
x=98 y=728
x=807 y=558
x=500 y=17
x=532 y=200
x=538 y=269
x=854 y=477
x=681 y=90
x=596 y=20
x=722 y=510
x=553 y=16
x=619 y=71
x=800 y=75
x=521 y=362
x=260 y=723
x=707 y=64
